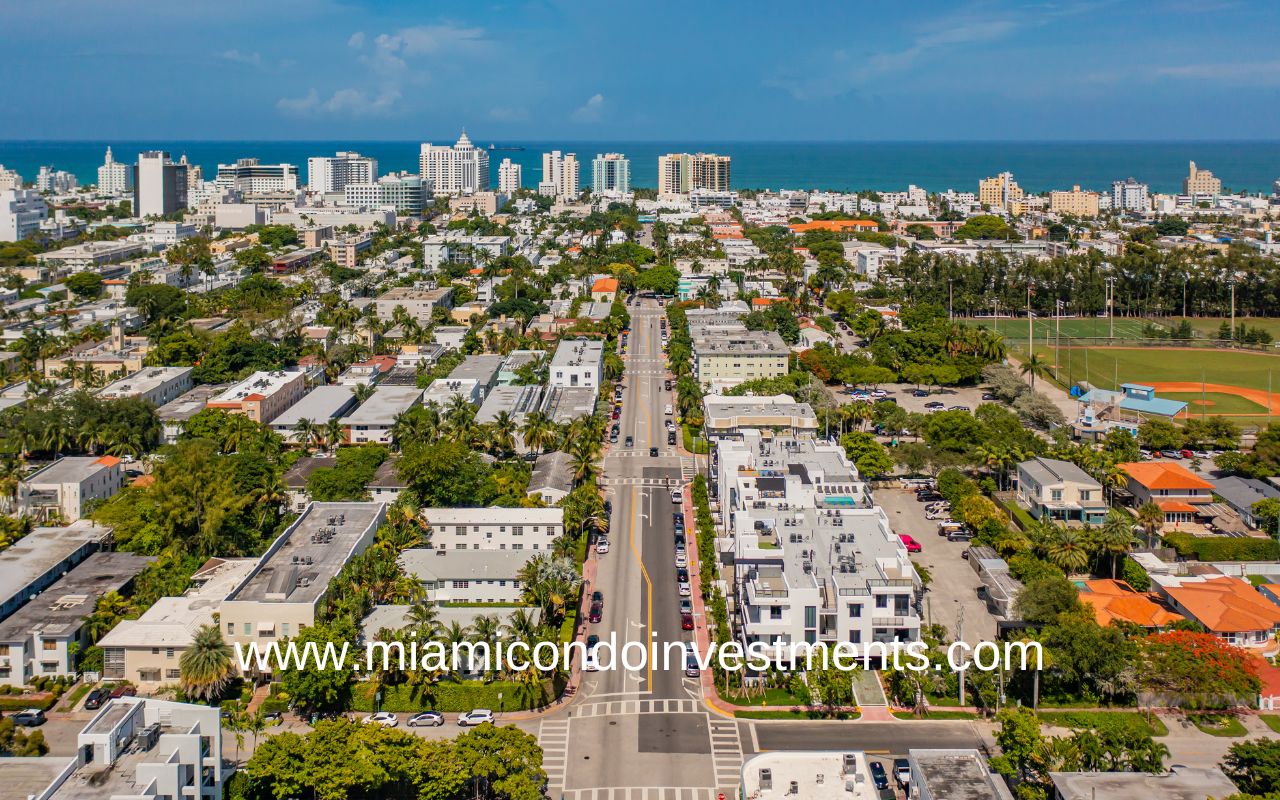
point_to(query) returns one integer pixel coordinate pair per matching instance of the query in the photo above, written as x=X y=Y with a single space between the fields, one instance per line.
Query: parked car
x=684 y=589
x=1186 y=454
x=935 y=404
x=678 y=516
x=596 y=613
x=959 y=408
x=681 y=559
x=96 y=698
x=878 y=776
x=919 y=393
x=912 y=545
x=902 y=772
x=602 y=545
x=671 y=437
x=686 y=606
x=477 y=717
x=29 y=718
x=962 y=535
x=589 y=661
x=123 y=690
x=989 y=396
x=686 y=622
x=384 y=718
x=426 y=719
x=690 y=660
x=597 y=597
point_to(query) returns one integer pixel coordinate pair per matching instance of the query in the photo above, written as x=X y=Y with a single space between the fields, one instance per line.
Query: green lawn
x=1088 y=719
x=771 y=697
x=1216 y=403
x=1272 y=721
x=1047 y=329
x=1208 y=326
x=1218 y=724
x=815 y=714
x=1106 y=367
x=936 y=714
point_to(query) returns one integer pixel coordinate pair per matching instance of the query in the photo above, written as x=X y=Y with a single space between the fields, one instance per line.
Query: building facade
x=326 y=174
x=1129 y=195
x=409 y=194
x=1200 y=182
x=159 y=185
x=461 y=168
x=1001 y=191
x=493 y=528
x=681 y=173
x=509 y=176
x=251 y=176
x=610 y=174
x=561 y=175
x=114 y=178
x=21 y=213
x=1076 y=203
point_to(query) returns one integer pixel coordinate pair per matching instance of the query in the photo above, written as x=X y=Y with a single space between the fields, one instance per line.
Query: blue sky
x=321 y=69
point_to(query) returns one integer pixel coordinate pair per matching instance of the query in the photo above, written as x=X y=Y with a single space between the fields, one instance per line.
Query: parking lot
x=953 y=588
x=902 y=394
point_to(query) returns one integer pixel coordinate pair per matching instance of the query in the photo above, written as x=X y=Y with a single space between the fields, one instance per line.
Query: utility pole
x=1232 y=283
x=1031 y=331
x=1111 y=309
x=960 y=638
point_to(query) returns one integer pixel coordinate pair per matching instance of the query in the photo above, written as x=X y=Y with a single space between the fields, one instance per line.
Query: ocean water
x=844 y=166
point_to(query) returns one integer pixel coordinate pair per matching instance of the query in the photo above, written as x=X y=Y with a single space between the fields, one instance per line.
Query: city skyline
x=391 y=72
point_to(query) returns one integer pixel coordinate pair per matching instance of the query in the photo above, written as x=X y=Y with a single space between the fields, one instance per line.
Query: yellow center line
x=636 y=551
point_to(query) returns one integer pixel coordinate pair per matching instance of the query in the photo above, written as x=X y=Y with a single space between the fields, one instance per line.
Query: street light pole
x=1111 y=309
x=1232 y=283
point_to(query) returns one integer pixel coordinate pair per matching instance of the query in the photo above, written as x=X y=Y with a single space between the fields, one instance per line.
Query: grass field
x=1047 y=328
x=1208 y=326
x=1107 y=366
x=1216 y=403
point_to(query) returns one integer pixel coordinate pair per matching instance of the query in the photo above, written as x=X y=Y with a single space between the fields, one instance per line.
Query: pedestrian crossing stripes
x=688 y=468
x=726 y=753
x=622 y=707
x=553 y=737
x=646 y=793
x=655 y=483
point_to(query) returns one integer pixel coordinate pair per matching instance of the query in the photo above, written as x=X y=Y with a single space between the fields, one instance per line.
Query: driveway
x=953 y=587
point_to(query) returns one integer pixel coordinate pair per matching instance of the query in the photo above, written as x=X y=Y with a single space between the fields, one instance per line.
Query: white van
x=667 y=410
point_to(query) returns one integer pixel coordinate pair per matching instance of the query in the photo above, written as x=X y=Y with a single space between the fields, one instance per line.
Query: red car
x=686 y=622
x=912 y=545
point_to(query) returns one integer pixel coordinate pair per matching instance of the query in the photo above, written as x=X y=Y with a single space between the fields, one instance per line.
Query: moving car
x=676 y=497
x=690 y=660
x=667 y=410
x=589 y=662
x=384 y=718
x=427 y=719
x=912 y=545
x=878 y=776
x=653 y=452
x=477 y=717
x=631 y=441
x=29 y=718
x=902 y=772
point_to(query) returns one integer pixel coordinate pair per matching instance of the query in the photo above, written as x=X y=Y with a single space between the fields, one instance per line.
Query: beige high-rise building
x=509 y=177
x=1000 y=191
x=1201 y=182
x=1077 y=203
x=681 y=173
x=561 y=175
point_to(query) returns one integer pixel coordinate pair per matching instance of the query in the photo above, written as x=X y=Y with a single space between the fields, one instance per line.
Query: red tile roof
x=1163 y=475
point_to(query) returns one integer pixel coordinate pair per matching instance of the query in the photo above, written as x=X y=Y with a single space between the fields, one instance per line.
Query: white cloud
x=252 y=59
x=443 y=38
x=349 y=102
x=356 y=41
x=589 y=111
x=1241 y=72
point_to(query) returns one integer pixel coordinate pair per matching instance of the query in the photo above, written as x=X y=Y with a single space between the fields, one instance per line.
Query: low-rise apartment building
x=372 y=420
x=728 y=416
x=1058 y=490
x=948 y=774
x=493 y=528
x=64 y=487
x=263 y=396
x=146 y=651
x=33 y=563
x=467 y=576
x=457 y=247
x=320 y=405
x=577 y=362
x=280 y=595
x=726 y=356
x=418 y=303
x=156 y=385
x=43 y=636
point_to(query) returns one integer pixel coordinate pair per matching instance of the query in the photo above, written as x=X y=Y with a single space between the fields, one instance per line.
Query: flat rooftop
x=384 y=405
x=743 y=343
x=298 y=566
x=396 y=617
x=29 y=777
x=578 y=352
x=259 y=383
x=959 y=775
x=188 y=405
x=58 y=610
x=564 y=404
x=71 y=469
x=493 y=515
x=414 y=293
x=319 y=405
x=173 y=621
x=144 y=381
x=1181 y=783
x=478 y=368
x=38 y=553
x=809 y=775
x=475 y=564
x=515 y=400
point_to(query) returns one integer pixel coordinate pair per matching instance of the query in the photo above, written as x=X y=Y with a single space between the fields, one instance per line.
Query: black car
x=597 y=597
x=919 y=393
x=95 y=699
x=682 y=575
x=631 y=442
x=592 y=641
x=878 y=776
x=666 y=385
x=678 y=517
x=679 y=537
x=671 y=437
x=653 y=452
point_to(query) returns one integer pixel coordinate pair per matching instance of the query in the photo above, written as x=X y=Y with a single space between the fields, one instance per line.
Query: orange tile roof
x=1226 y=605
x=762 y=301
x=108 y=461
x=1270 y=676
x=1176 y=506
x=1163 y=475
x=605 y=285
x=476 y=271
x=1113 y=600
x=835 y=225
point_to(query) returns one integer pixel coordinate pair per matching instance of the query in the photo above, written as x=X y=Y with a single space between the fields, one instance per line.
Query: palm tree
x=424 y=618
x=306 y=431
x=537 y=431
x=206 y=666
x=1067 y=549
x=1035 y=366
x=1116 y=537
x=1151 y=520
x=334 y=433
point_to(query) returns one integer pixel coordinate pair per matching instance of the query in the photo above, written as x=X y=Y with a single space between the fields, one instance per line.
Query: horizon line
x=660 y=141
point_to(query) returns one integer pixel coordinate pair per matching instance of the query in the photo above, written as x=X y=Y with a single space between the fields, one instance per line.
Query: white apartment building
x=138 y=748
x=372 y=420
x=114 y=178
x=9 y=179
x=561 y=175
x=809 y=775
x=458 y=247
x=577 y=362
x=56 y=181
x=1129 y=195
x=509 y=177
x=280 y=595
x=44 y=635
x=21 y=213
x=468 y=576
x=406 y=192
x=326 y=174
x=159 y=185
x=66 y=485
x=156 y=385
x=493 y=528
x=147 y=650
x=815 y=559
x=460 y=169
x=610 y=174
x=250 y=176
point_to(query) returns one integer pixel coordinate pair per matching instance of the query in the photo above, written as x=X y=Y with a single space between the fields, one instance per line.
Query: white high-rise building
x=509 y=176
x=610 y=174
x=681 y=173
x=1129 y=195
x=55 y=181
x=21 y=212
x=460 y=169
x=561 y=175
x=159 y=185
x=9 y=179
x=114 y=178
x=407 y=192
x=335 y=173
x=251 y=175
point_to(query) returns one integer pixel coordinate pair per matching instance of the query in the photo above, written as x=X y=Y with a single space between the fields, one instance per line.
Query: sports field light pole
x=1111 y=309
x=1031 y=330
x=1232 y=283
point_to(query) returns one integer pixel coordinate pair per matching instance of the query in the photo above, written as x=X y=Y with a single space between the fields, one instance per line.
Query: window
x=248 y=629
x=48 y=644
x=517 y=530
x=168 y=652
x=1055 y=495
x=155 y=651
x=518 y=546
x=49 y=666
x=462 y=530
x=811 y=616
x=462 y=584
x=284 y=629
x=855 y=610
x=231 y=629
x=855 y=637
x=460 y=546
x=775 y=612
x=172 y=674
x=882 y=601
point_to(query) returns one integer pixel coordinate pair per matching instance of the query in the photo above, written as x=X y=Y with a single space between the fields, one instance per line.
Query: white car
x=681 y=559
x=676 y=497
x=668 y=410
x=477 y=717
x=602 y=546
x=384 y=718
x=685 y=589
x=589 y=663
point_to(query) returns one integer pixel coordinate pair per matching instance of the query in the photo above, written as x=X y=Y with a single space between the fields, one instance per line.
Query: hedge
x=452 y=696
x=42 y=702
x=1223 y=548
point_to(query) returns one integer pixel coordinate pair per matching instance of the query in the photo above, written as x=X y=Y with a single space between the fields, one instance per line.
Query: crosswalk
x=688 y=468
x=645 y=793
x=617 y=708
x=726 y=753
x=653 y=483
x=553 y=736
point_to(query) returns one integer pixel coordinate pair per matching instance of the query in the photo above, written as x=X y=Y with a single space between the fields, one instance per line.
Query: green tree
x=1159 y=434
x=206 y=666
x=1254 y=766
x=1044 y=599
x=85 y=285
x=314 y=688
